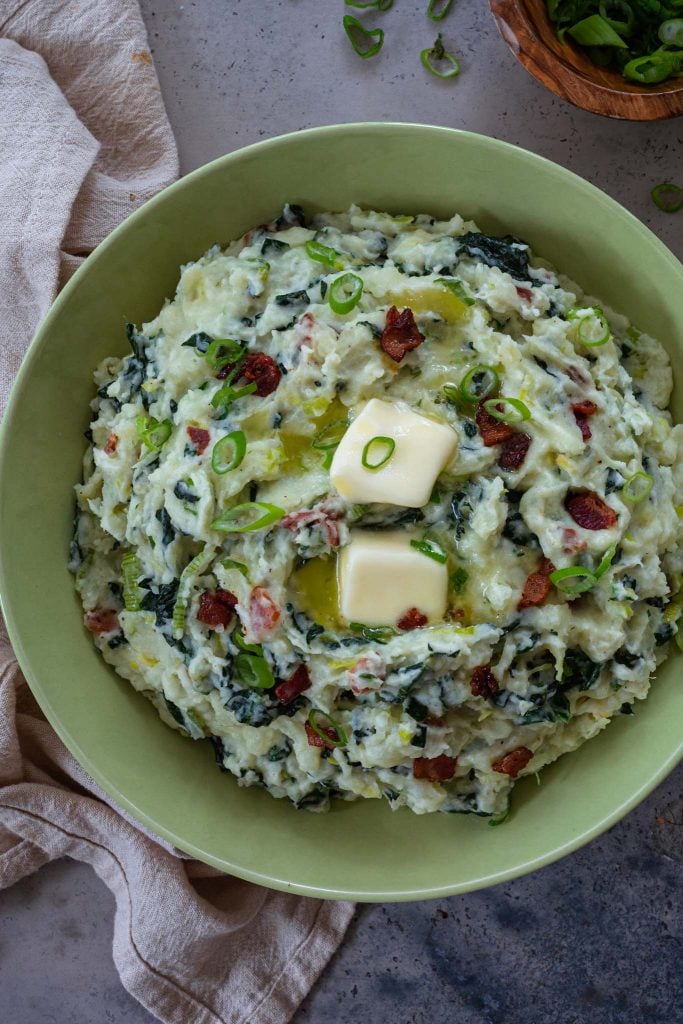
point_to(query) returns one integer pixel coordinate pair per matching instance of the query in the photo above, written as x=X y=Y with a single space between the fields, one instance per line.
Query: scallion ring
x=241 y=643
x=228 y=452
x=152 y=433
x=586 y=320
x=324 y=254
x=254 y=672
x=377 y=452
x=668 y=197
x=230 y=563
x=573 y=580
x=605 y=562
x=438 y=9
x=507 y=410
x=226 y=395
x=452 y=392
x=344 y=293
x=222 y=351
x=327 y=440
x=131 y=571
x=479 y=382
x=652 y=68
x=328 y=724
x=437 y=52
x=198 y=564
x=365 y=5
x=247 y=517
x=457 y=287
x=671 y=32
x=430 y=549
x=365 y=41
x=637 y=487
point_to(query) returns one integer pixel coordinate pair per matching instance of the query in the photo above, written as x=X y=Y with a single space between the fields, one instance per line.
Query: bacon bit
x=537 y=586
x=369 y=665
x=317 y=741
x=216 y=608
x=434 y=769
x=400 y=334
x=434 y=720
x=263 y=370
x=513 y=763
x=101 y=620
x=492 y=431
x=200 y=438
x=484 y=683
x=305 y=332
x=514 y=451
x=577 y=375
x=571 y=542
x=413 y=619
x=582 y=410
x=590 y=511
x=292 y=687
x=322 y=515
x=264 y=614
x=112 y=443
x=525 y=293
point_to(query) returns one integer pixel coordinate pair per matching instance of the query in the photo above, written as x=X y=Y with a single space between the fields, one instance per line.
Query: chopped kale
x=175 y=712
x=161 y=601
x=299 y=298
x=579 y=670
x=218 y=751
x=628 y=658
x=507 y=253
x=420 y=737
x=416 y=710
x=319 y=795
x=183 y=491
x=199 y=341
x=168 y=529
x=470 y=428
x=374 y=331
x=458 y=579
x=117 y=641
x=663 y=633
x=518 y=532
x=279 y=753
x=115 y=589
x=614 y=480
x=273 y=245
x=249 y=709
x=291 y=216
x=626 y=709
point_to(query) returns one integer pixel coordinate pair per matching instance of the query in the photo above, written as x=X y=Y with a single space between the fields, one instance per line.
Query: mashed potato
x=208 y=531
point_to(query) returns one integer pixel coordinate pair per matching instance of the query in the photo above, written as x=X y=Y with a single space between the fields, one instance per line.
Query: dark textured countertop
x=596 y=937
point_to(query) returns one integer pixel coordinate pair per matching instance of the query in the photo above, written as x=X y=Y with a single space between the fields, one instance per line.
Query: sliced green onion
x=131 y=571
x=230 y=563
x=239 y=641
x=324 y=254
x=152 y=433
x=478 y=383
x=222 y=351
x=327 y=440
x=668 y=197
x=573 y=580
x=452 y=392
x=374 y=634
x=228 y=453
x=192 y=569
x=458 y=580
x=431 y=550
x=606 y=562
x=438 y=53
x=344 y=293
x=254 y=672
x=226 y=395
x=507 y=410
x=384 y=449
x=652 y=68
x=438 y=9
x=587 y=318
x=493 y=822
x=623 y=27
x=364 y=5
x=637 y=487
x=671 y=32
x=247 y=517
x=595 y=31
x=328 y=722
x=365 y=41
x=457 y=287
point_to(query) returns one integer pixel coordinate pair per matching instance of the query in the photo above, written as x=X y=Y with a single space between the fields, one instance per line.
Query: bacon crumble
x=590 y=512
x=492 y=431
x=434 y=769
x=200 y=439
x=582 y=411
x=400 y=334
x=484 y=683
x=263 y=370
x=514 y=451
x=514 y=762
x=413 y=619
x=299 y=681
x=537 y=586
x=216 y=608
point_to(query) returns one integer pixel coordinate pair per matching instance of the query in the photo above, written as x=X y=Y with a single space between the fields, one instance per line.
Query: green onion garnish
x=374 y=634
x=247 y=517
x=452 y=392
x=438 y=9
x=254 y=672
x=222 y=351
x=586 y=329
x=152 y=433
x=344 y=293
x=324 y=254
x=457 y=287
x=226 y=395
x=493 y=822
x=671 y=32
x=384 y=449
x=365 y=41
x=668 y=197
x=478 y=383
x=230 y=563
x=364 y=5
x=438 y=53
x=327 y=440
x=239 y=641
x=652 y=68
x=431 y=550
x=192 y=569
x=131 y=571
x=606 y=562
x=573 y=580
x=458 y=580
x=507 y=410
x=637 y=487
x=229 y=452
x=315 y=715
x=596 y=31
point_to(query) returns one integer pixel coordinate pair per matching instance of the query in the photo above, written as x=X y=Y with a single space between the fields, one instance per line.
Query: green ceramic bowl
x=362 y=850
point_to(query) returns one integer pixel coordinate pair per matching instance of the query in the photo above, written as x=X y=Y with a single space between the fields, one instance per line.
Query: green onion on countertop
x=438 y=9
x=365 y=41
x=439 y=61
x=668 y=197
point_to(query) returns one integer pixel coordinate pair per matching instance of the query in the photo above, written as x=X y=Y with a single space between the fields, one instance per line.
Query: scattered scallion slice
x=586 y=330
x=222 y=351
x=152 y=433
x=452 y=392
x=573 y=580
x=192 y=569
x=254 y=672
x=438 y=9
x=344 y=293
x=652 y=68
x=131 y=571
x=239 y=641
x=228 y=452
x=324 y=254
x=479 y=382
x=430 y=549
x=230 y=563
x=247 y=517
x=671 y=32
x=365 y=41
x=457 y=287
x=377 y=452
x=618 y=14
x=327 y=440
x=637 y=487
x=226 y=395
x=364 y=5
x=668 y=197
x=450 y=64
x=596 y=31
x=507 y=410
x=605 y=562
x=320 y=721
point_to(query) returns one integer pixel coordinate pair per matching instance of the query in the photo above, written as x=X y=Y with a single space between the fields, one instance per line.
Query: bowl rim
x=40 y=339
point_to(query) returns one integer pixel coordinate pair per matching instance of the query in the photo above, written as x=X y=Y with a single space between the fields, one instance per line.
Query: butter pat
x=381 y=577
x=423 y=448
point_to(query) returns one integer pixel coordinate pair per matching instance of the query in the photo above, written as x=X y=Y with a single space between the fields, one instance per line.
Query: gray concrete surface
x=595 y=938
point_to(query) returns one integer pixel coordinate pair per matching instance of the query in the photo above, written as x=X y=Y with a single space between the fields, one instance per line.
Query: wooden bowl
x=568 y=71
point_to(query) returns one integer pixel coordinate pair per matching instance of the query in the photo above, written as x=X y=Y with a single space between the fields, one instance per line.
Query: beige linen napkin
x=84 y=139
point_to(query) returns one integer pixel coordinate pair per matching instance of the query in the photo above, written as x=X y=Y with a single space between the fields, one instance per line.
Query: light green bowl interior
x=361 y=850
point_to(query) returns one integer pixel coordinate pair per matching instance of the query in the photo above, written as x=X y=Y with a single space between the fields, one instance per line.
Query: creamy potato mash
x=506 y=516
